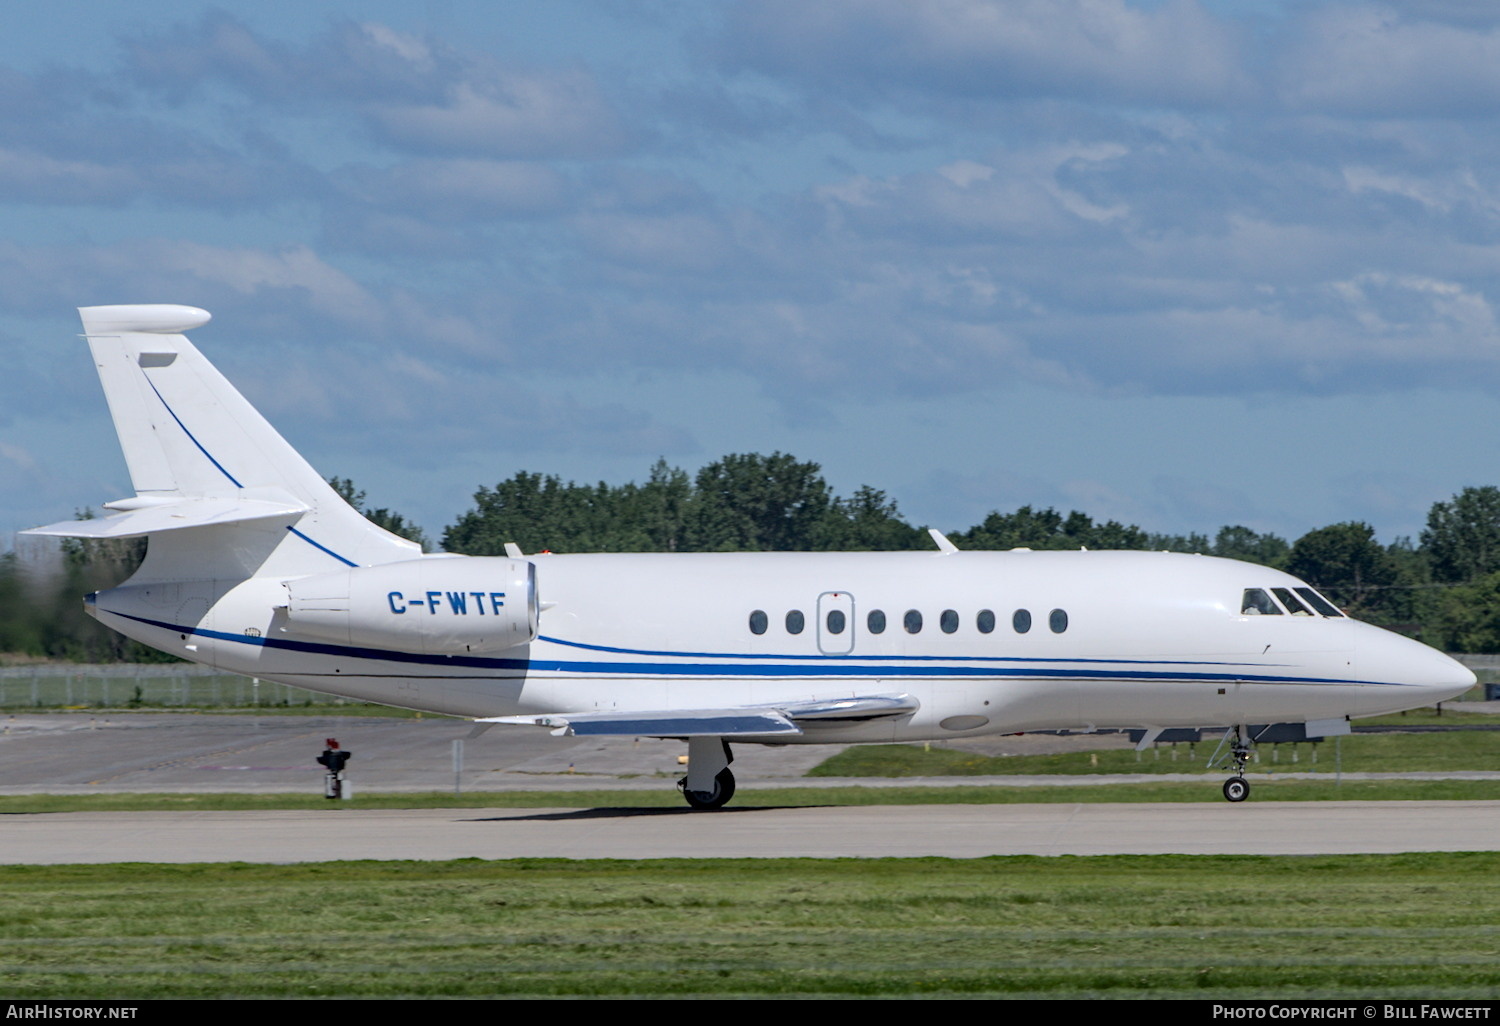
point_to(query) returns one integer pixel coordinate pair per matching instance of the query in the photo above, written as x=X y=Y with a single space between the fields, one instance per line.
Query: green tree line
x=1443 y=588
x=41 y=612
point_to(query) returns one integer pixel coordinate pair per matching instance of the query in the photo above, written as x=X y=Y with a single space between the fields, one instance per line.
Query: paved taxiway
x=85 y=753
x=90 y=754
x=958 y=831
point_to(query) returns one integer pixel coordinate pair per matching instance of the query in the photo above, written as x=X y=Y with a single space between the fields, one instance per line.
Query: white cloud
x=554 y=114
x=964 y=173
x=326 y=289
x=1379 y=61
x=1444 y=318
x=459 y=190
x=1107 y=50
x=408 y=48
x=686 y=243
x=1160 y=251
x=38 y=177
x=348 y=64
x=18 y=456
x=404 y=408
x=413 y=93
x=1442 y=190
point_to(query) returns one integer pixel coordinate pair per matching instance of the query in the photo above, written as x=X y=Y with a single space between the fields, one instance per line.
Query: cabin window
x=1318 y=602
x=1289 y=600
x=759 y=622
x=985 y=621
x=875 y=621
x=795 y=621
x=1257 y=603
x=948 y=621
x=1057 y=620
x=836 y=621
x=1021 y=621
x=912 y=622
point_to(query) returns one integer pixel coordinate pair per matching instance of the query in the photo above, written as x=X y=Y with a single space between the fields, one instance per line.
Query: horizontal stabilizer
x=173 y=516
x=671 y=723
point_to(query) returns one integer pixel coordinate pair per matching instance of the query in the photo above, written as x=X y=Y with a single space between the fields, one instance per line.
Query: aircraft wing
x=172 y=516
x=673 y=723
x=786 y=718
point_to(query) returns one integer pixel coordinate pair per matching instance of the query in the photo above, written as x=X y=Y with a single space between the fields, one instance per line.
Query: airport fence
x=143 y=685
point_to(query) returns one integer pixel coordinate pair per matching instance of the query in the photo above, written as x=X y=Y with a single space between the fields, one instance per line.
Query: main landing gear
x=1237 y=788
x=709 y=784
x=723 y=790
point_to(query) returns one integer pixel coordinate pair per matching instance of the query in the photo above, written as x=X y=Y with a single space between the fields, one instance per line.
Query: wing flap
x=784 y=718
x=862 y=707
x=667 y=723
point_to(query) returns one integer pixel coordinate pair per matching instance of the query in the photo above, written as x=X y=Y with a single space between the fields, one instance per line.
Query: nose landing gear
x=1237 y=788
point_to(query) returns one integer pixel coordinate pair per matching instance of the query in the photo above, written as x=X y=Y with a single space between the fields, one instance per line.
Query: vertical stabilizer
x=188 y=436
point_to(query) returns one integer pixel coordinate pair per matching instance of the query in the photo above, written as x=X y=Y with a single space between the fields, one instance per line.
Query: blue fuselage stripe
x=889 y=658
x=831 y=667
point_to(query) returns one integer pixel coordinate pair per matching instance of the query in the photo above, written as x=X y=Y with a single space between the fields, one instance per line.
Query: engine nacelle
x=436 y=605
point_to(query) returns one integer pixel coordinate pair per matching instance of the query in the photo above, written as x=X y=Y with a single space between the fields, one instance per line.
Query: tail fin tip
x=147 y=318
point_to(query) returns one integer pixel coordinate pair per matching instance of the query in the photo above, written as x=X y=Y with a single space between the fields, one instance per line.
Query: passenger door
x=835 y=623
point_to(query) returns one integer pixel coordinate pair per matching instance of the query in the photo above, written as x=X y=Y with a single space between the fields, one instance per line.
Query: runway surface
x=82 y=753
x=957 y=831
x=87 y=753
x=188 y=752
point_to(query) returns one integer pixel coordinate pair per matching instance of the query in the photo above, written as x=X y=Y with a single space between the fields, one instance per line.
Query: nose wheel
x=1237 y=788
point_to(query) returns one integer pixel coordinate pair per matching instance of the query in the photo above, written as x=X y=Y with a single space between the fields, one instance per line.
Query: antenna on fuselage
x=945 y=547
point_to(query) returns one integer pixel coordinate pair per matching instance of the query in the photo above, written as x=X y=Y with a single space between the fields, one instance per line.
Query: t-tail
x=219 y=493
x=250 y=553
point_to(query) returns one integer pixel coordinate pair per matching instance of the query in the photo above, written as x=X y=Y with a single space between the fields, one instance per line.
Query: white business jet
x=256 y=566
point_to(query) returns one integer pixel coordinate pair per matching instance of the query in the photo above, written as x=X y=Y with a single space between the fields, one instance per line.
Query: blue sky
x=1180 y=264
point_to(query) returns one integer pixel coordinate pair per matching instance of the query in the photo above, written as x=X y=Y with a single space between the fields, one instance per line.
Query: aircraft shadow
x=627 y=813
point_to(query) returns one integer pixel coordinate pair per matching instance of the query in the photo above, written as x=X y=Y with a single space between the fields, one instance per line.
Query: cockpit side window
x=1257 y=603
x=1293 y=605
x=1318 y=602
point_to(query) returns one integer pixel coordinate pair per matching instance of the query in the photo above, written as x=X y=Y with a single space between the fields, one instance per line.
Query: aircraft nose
x=1437 y=677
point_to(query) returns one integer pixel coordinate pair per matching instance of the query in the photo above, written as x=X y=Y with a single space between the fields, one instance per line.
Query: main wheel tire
x=717 y=798
x=1236 y=789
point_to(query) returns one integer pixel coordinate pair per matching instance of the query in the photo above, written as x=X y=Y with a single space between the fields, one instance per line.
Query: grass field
x=750 y=797
x=1160 y=927
x=1356 y=753
x=1432 y=716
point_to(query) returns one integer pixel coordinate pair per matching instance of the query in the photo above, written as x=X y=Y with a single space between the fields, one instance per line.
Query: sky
x=1180 y=264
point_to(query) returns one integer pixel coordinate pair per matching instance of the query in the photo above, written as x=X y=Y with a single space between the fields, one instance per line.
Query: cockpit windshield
x=1292 y=603
x=1318 y=602
x=1257 y=603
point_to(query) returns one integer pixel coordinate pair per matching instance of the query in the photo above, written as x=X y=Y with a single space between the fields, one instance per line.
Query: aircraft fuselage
x=1110 y=640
